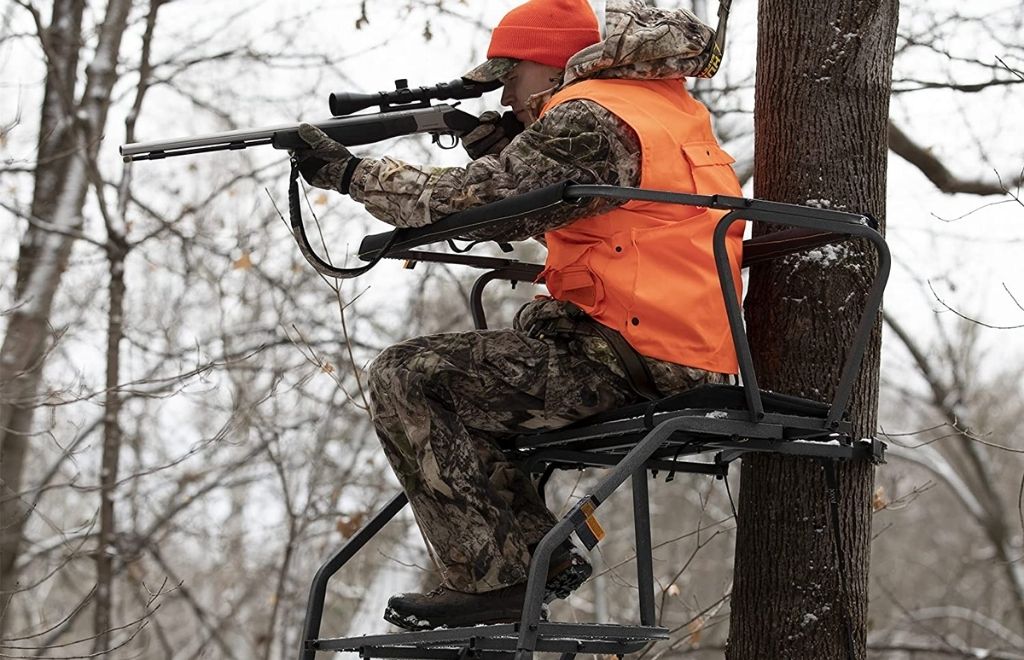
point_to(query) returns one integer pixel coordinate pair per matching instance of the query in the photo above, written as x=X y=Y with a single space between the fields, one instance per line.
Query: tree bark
x=69 y=141
x=821 y=113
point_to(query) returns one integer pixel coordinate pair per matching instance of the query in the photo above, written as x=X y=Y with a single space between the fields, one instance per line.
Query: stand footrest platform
x=497 y=642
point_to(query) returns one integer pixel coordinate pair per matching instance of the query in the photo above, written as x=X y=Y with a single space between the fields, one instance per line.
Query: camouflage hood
x=646 y=43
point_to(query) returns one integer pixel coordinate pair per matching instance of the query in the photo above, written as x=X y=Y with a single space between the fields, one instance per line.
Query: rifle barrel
x=350 y=131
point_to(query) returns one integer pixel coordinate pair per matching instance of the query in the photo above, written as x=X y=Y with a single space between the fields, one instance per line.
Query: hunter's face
x=527 y=79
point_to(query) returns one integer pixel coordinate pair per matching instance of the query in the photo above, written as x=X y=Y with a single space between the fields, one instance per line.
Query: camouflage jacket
x=577 y=140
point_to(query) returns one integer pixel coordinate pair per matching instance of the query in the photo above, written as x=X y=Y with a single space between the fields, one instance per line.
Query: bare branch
x=902 y=145
x=968 y=318
x=965 y=652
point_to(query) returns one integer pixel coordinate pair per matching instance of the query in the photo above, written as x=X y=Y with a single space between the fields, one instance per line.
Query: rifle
x=403 y=111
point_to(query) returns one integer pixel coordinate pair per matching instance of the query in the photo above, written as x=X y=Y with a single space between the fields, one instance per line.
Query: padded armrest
x=458 y=224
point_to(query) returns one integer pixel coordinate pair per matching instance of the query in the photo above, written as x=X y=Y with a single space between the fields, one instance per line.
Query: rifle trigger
x=450 y=145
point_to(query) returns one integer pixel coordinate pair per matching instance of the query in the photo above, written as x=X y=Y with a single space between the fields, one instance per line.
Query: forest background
x=198 y=440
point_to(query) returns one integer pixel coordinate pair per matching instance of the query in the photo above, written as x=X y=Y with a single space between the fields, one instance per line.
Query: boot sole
x=559 y=586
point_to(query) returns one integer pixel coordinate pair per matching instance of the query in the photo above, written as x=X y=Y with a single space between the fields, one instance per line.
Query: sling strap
x=717 y=46
x=299 y=233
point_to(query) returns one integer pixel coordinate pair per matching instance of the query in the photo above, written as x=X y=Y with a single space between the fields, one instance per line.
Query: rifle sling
x=299 y=233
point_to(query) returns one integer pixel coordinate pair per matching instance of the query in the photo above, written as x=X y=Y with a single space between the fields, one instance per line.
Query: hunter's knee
x=391 y=372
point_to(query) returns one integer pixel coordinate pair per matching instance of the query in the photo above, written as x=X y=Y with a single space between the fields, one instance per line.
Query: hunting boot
x=452 y=609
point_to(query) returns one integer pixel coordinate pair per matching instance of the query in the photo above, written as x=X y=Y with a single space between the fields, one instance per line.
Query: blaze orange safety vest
x=647 y=269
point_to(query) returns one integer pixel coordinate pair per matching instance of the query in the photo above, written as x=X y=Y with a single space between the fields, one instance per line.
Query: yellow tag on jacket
x=647 y=269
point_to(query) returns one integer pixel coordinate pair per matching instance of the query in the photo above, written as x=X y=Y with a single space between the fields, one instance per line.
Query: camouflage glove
x=492 y=135
x=326 y=164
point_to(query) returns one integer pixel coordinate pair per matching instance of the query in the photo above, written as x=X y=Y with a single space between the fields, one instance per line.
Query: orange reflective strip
x=592 y=524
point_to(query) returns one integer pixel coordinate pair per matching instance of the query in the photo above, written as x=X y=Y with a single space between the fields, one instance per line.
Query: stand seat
x=785 y=417
x=718 y=397
x=498 y=642
x=706 y=419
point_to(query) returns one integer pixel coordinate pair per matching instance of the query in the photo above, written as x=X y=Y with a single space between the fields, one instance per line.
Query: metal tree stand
x=718 y=422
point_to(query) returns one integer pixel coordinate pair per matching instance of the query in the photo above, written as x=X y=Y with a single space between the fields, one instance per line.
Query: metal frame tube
x=872 y=305
x=837 y=222
x=644 y=549
x=735 y=315
x=318 y=590
x=633 y=460
x=476 y=304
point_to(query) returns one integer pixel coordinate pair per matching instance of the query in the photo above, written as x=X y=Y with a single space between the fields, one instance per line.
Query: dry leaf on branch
x=878 y=500
x=244 y=262
x=349 y=525
x=696 y=628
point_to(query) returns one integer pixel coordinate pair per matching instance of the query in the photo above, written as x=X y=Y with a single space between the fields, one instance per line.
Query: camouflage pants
x=443 y=404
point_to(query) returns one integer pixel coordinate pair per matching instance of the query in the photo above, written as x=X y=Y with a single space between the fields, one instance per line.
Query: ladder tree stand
x=716 y=423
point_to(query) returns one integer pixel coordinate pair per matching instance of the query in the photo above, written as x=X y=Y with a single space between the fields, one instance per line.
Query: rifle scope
x=404 y=98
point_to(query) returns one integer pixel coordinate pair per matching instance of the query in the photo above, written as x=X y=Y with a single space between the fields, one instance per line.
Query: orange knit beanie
x=545 y=31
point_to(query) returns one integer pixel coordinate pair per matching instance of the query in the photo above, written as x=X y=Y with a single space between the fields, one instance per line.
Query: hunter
x=634 y=312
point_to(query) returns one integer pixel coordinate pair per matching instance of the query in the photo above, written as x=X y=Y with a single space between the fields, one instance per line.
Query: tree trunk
x=24 y=341
x=106 y=546
x=118 y=249
x=59 y=198
x=821 y=110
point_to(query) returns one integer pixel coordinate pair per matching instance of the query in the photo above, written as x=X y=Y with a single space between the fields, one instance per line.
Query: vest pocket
x=577 y=284
x=710 y=168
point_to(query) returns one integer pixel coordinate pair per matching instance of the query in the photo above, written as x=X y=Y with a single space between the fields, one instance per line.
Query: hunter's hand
x=492 y=135
x=325 y=164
